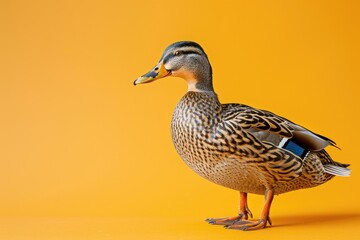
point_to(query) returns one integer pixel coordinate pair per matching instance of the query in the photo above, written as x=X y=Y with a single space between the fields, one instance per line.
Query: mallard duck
x=238 y=146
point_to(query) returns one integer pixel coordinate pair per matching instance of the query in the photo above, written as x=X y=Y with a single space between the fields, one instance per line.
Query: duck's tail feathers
x=337 y=170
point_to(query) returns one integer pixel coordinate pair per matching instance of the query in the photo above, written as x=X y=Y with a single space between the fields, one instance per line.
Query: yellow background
x=86 y=155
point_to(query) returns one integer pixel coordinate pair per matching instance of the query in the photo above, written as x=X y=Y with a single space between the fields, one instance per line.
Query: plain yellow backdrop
x=78 y=139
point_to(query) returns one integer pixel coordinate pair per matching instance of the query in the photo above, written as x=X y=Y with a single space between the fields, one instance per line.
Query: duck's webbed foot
x=244 y=213
x=230 y=220
x=241 y=221
x=248 y=225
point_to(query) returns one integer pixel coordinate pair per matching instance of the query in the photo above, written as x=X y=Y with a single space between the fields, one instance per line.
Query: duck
x=250 y=150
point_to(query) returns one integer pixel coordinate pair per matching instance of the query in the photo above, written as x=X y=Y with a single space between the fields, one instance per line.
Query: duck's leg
x=244 y=213
x=264 y=218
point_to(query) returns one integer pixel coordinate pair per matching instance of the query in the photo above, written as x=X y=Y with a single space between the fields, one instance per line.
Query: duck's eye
x=177 y=53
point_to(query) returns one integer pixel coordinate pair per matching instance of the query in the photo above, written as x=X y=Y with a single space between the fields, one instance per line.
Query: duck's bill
x=159 y=71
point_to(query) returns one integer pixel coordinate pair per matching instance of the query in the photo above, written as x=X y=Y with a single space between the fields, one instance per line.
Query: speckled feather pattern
x=235 y=146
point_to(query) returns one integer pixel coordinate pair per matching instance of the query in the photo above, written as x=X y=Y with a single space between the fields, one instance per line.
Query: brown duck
x=237 y=146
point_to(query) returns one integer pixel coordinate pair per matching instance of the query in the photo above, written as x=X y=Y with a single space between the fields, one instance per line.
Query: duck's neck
x=196 y=84
x=199 y=79
x=200 y=86
x=205 y=86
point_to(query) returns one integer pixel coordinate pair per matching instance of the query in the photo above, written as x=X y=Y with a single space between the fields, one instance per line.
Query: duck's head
x=186 y=60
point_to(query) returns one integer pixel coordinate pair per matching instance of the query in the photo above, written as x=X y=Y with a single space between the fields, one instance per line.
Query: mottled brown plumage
x=237 y=146
x=221 y=147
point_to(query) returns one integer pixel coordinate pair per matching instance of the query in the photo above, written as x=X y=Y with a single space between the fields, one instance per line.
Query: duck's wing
x=257 y=136
x=269 y=127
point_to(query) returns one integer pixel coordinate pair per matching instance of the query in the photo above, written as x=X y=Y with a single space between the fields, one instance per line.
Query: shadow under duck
x=237 y=146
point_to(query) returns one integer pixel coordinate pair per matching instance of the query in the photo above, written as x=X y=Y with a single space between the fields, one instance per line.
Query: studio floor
x=317 y=226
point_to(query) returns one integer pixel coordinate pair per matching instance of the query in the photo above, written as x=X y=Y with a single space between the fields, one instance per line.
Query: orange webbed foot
x=248 y=225
x=230 y=220
x=244 y=213
x=240 y=222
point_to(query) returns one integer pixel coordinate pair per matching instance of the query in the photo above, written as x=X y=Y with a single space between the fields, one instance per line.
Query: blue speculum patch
x=295 y=149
